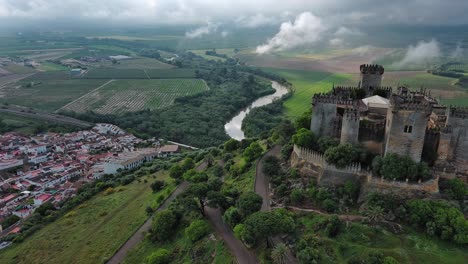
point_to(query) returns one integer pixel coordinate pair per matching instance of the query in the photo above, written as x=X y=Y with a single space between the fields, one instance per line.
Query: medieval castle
x=387 y=120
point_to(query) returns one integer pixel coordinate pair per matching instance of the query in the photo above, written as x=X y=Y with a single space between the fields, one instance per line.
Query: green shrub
x=197 y=230
x=160 y=256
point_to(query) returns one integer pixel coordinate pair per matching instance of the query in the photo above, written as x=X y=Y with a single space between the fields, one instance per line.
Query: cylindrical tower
x=350 y=127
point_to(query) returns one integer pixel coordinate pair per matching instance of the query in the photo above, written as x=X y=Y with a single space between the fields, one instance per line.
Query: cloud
x=336 y=42
x=224 y=33
x=254 y=13
x=362 y=50
x=423 y=52
x=199 y=32
x=345 y=31
x=458 y=52
x=307 y=29
x=255 y=21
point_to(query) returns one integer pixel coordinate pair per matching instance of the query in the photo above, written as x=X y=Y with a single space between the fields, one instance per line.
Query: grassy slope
x=90 y=233
x=409 y=247
x=306 y=84
x=25 y=125
x=49 y=95
x=216 y=252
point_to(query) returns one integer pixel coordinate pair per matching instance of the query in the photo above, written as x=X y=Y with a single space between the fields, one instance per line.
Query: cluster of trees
x=260 y=121
x=197 y=120
x=214 y=53
x=438 y=219
x=394 y=166
x=36 y=127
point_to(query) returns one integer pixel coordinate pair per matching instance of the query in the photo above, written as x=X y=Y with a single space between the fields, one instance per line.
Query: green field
x=139 y=73
x=48 y=95
x=141 y=63
x=15 y=68
x=49 y=66
x=306 y=84
x=93 y=231
x=360 y=240
x=133 y=95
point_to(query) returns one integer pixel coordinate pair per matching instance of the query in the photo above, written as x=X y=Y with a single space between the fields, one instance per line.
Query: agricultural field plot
x=48 y=95
x=306 y=84
x=133 y=95
x=141 y=63
x=49 y=66
x=94 y=230
x=139 y=74
x=18 y=69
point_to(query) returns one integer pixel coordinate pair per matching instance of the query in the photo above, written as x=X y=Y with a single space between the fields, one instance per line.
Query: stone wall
x=350 y=127
x=405 y=134
x=327 y=174
x=323 y=119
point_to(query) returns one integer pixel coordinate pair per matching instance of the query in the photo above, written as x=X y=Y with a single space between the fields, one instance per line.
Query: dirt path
x=139 y=235
x=236 y=247
x=262 y=188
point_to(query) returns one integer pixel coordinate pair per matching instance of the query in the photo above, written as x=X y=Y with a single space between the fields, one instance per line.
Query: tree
x=271 y=166
x=187 y=164
x=253 y=151
x=163 y=225
x=231 y=145
x=296 y=196
x=456 y=189
x=160 y=256
x=342 y=155
x=232 y=216
x=199 y=191
x=197 y=230
x=305 y=138
x=176 y=172
x=157 y=186
x=374 y=214
x=261 y=225
x=303 y=121
x=249 y=203
x=326 y=142
x=279 y=254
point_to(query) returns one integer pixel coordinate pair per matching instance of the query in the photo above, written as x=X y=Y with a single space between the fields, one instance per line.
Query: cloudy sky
x=246 y=13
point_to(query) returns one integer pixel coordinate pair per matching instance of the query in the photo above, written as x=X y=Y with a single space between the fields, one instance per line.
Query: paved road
x=139 y=235
x=262 y=188
x=27 y=112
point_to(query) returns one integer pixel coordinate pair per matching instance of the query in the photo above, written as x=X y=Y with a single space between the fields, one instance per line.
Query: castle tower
x=457 y=146
x=325 y=121
x=405 y=130
x=371 y=77
x=350 y=127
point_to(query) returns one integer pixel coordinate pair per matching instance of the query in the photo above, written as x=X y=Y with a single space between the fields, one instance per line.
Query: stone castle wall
x=323 y=119
x=406 y=130
x=328 y=173
x=350 y=128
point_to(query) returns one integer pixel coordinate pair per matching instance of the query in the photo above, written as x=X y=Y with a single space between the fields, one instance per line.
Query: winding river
x=234 y=126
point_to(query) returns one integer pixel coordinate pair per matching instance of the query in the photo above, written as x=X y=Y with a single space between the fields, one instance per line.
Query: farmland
x=132 y=95
x=306 y=84
x=47 y=95
x=139 y=73
x=94 y=230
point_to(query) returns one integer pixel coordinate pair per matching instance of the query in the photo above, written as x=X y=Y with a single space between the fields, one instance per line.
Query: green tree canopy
x=305 y=138
x=249 y=203
x=197 y=230
x=163 y=225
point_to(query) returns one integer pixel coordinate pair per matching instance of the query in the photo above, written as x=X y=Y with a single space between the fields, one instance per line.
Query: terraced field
x=121 y=96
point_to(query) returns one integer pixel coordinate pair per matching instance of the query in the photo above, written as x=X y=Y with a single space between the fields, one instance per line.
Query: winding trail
x=139 y=235
x=262 y=188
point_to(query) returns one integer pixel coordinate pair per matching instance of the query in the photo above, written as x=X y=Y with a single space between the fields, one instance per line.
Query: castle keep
x=393 y=120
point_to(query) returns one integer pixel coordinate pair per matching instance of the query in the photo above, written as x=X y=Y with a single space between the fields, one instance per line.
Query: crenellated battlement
x=372 y=69
x=410 y=104
x=459 y=112
x=351 y=114
x=330 y=99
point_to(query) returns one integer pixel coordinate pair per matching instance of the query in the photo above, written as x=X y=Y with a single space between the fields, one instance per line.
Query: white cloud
x=199 y=32
x=423 y=52
x=307 y=29
x=458 y=52
x=254 y=21
x=345 y=31
x=363 y=50
x=224 y=33
x=336 y=42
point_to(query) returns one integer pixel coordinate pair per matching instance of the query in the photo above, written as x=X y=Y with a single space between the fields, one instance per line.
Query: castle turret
x=407 y=120
x=371 y=77
x=325 y=121
x=350 y=127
